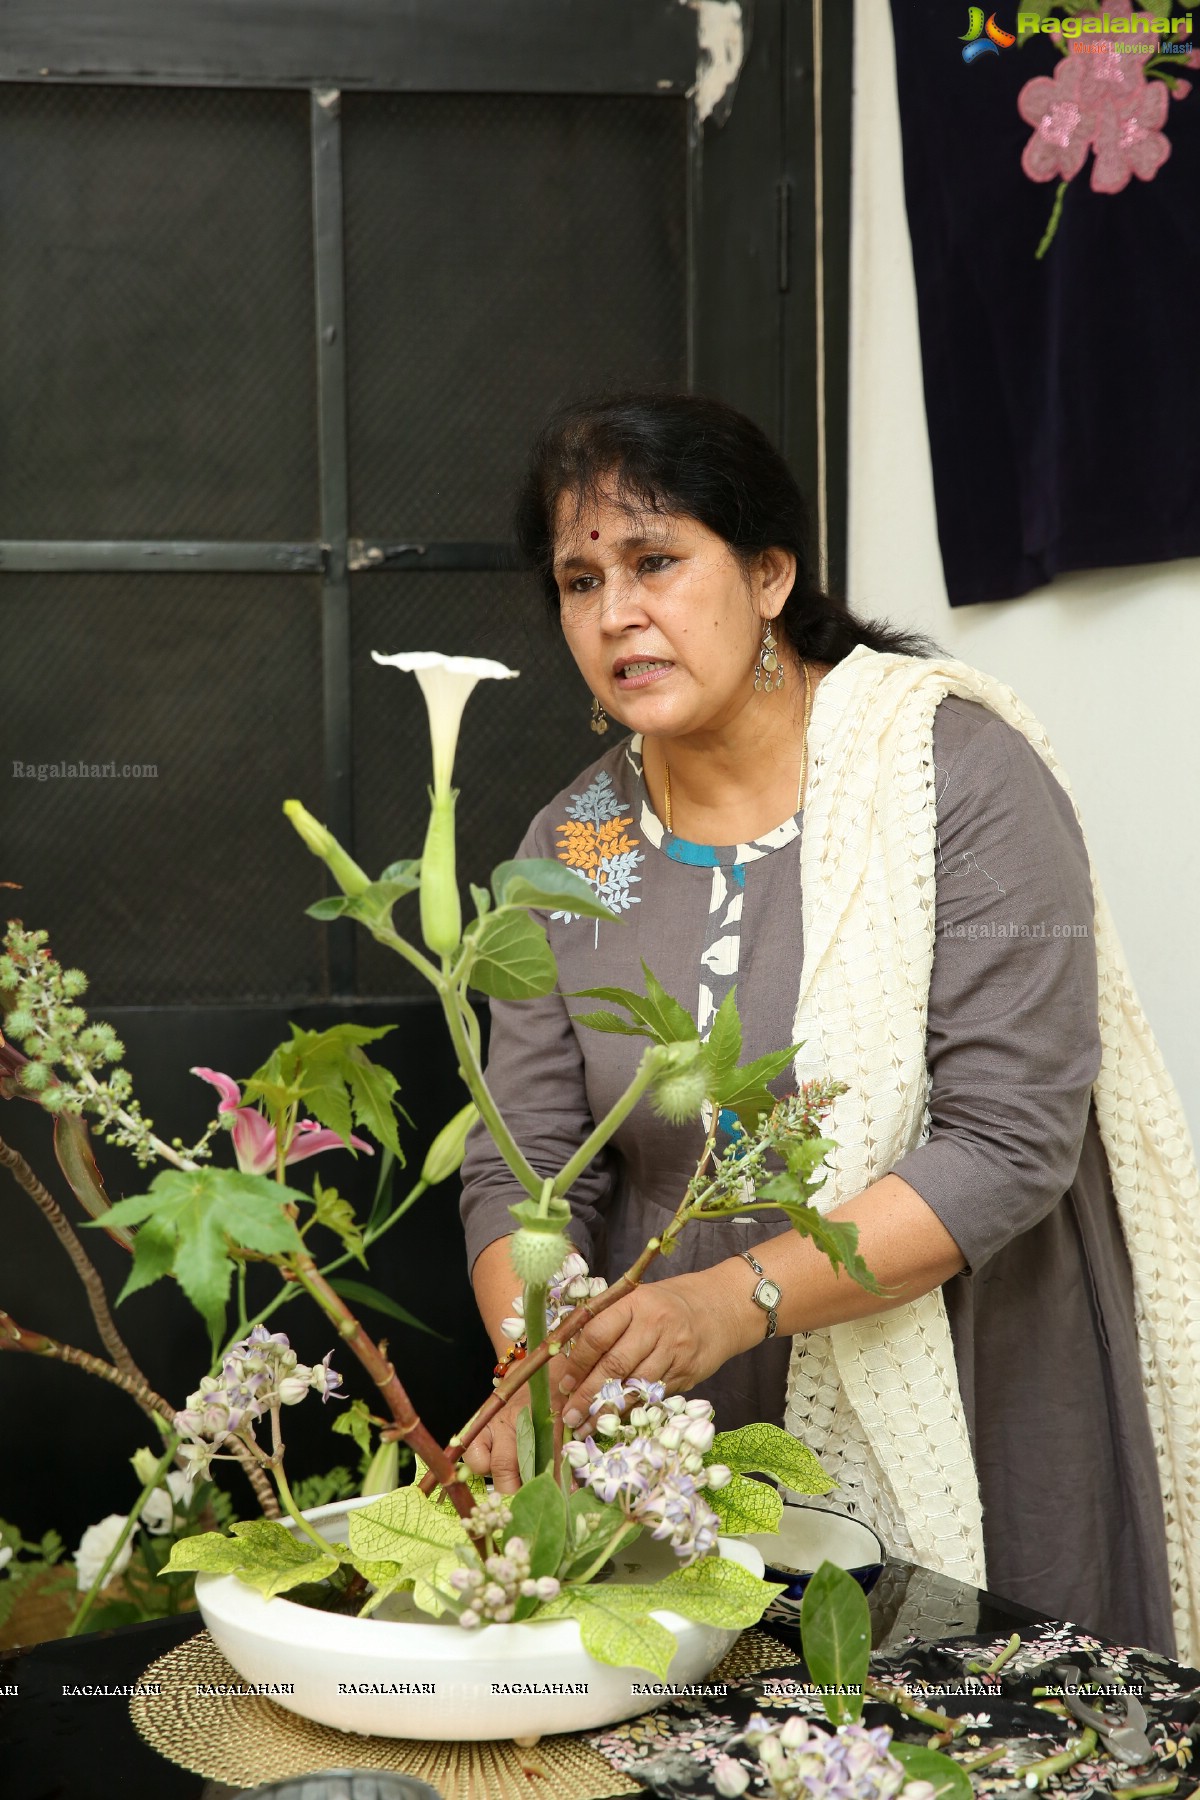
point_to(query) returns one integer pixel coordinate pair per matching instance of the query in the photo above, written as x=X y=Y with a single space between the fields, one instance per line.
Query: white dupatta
x=878 y=1401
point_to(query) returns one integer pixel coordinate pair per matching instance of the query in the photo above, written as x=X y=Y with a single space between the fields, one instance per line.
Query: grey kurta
x=1042 y=1318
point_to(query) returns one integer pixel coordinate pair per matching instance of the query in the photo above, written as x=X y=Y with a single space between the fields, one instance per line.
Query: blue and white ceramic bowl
x=809 y=1536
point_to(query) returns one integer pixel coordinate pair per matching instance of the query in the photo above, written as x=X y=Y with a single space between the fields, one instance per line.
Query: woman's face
x=660 y=618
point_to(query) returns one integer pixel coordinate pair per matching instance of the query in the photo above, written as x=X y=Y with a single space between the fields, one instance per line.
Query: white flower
x=158 y=1514
x=446 y=682
x=94 y=1547
x=5 y=1556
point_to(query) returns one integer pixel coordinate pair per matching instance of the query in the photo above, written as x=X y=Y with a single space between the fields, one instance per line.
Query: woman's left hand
x=678 y=1331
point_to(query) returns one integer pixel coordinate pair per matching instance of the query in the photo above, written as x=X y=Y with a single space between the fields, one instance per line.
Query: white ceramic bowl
x=503 y=1681
x=809 y=1536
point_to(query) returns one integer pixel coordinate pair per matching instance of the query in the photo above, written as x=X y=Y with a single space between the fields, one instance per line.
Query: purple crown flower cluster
x=802 y=1762
x=652 y=1462
x=258 y=1375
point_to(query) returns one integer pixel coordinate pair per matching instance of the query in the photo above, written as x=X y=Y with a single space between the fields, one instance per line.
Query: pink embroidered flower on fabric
x=1098 y=101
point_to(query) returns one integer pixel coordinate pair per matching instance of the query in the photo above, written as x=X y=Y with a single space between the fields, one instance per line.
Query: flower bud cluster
x=490 y=1592
x=652 y=1463
x=260 y=1374
x=568 y=1285
x=802 y=1762
x=67 y=1055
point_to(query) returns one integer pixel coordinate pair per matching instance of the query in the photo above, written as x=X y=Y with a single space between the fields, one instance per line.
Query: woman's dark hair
x=685 y=454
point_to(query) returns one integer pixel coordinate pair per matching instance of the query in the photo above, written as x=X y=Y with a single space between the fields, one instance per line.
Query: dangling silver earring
x=768 y=670
x=599 y=717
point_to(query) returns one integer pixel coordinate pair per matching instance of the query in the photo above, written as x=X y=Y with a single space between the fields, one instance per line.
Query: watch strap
x=756 y=1296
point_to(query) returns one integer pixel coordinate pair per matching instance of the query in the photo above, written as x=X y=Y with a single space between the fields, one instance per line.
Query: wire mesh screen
x=156 y=323
x=172 y=878
x=503 y=253
x=521 y=740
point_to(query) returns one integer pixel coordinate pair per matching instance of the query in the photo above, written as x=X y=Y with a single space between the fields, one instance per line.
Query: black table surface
x=56 y=1746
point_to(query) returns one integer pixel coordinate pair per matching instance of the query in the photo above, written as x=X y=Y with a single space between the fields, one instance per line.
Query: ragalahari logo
x=984 y=38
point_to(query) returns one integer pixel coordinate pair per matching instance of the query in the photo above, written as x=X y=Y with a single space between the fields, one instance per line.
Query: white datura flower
x=158 y=1514
x=446 y=682
x=5 y=1555
x=94 y=1547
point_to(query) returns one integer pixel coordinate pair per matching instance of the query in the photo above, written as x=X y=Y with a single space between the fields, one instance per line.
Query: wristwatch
x=767 y=1294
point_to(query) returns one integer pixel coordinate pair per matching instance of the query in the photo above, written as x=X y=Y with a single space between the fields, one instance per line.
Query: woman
x=992 y=1402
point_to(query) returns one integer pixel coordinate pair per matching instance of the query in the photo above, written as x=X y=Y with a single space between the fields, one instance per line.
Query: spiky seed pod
x=537 y=1254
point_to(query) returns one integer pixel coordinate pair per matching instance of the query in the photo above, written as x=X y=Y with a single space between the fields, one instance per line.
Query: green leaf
x=616 y=1627
x=526 y=1444
x=513 y=958
x=723 y=1046
x=262 y=1552
x=405 y=1528
x=332 y=907
x=606 y=1021
x=354 y=1421
x=539 y=1516
x=835 y=1631
x=406 y=873
x=373 y=1087
x=547 y=885
x=364 y=1295
x=948 y=1780
x=717 y=1591
x=768 y=1450
x=837 y=1239
x=745 y=1091
x=73 y=1148
x=320 y=1490
x=482 y=899
x=744 y=1505
x=657 y=1015
x=191 y=1218
x=337 y=1215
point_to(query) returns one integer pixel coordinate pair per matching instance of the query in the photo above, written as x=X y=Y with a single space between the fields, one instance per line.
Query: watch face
x=768 y=1295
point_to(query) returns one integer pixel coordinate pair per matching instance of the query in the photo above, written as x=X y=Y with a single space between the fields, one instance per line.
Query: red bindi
x=595 y=534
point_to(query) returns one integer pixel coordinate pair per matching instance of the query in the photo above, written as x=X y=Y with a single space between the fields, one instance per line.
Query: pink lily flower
x=254 y=1136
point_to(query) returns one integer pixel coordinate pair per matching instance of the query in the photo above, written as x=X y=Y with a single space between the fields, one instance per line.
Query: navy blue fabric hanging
x=1062 y=391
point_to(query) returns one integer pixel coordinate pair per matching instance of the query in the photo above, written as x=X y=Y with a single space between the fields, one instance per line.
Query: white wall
x=1109 y=661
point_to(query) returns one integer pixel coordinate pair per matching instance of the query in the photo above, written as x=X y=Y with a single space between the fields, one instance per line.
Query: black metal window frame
x=767 y=233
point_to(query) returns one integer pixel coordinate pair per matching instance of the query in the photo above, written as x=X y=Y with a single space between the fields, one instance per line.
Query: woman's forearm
x=900 y=1238
x=495 y=1284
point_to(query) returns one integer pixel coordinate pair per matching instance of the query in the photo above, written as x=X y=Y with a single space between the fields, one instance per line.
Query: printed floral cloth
x=673 y=1750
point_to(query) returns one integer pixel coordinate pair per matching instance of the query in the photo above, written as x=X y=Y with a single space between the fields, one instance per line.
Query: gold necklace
x=803 y=753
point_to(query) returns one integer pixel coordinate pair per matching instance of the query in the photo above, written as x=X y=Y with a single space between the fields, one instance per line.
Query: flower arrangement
x=645 y=1461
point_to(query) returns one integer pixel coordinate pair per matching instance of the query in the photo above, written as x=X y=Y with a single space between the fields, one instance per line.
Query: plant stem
x=84 y=1267
x=84 y=1611
x=1146 y=1789
x=539 y=1385
x=997 y=1663
x=984 y=1761
x=894 y=1696
x=406 y=1423
x=616 y=1116
x=289 y=1501
x=469 y=1067
x=1078 y=1750
x=1052 y=227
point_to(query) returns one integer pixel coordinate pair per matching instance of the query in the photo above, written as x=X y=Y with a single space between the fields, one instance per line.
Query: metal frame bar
x=38 y=556
x=325 y=126
x=426 y=46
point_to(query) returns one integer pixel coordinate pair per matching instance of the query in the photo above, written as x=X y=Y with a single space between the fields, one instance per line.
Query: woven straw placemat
x=246 y=1739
